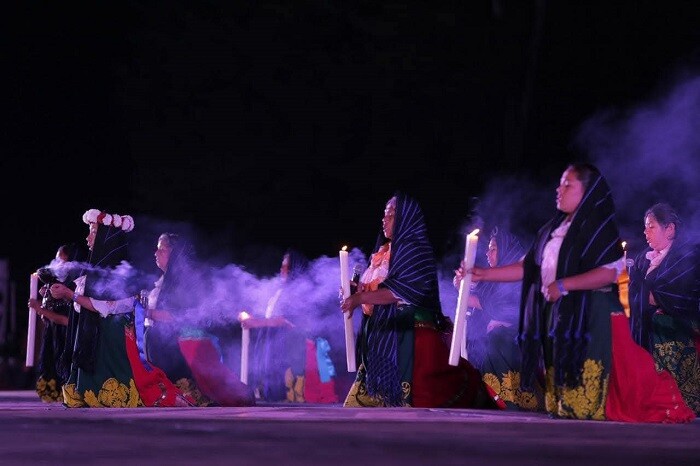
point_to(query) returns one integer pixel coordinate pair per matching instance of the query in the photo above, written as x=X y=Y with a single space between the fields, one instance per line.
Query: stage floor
x=33 y=432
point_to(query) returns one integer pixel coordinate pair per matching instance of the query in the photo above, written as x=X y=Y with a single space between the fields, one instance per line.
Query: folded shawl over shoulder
x=412 y=277
x=593 y=240
x=675 y=285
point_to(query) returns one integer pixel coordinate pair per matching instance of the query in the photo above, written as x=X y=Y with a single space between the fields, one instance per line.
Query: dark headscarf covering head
x=180 y=279
x=500 y=301
x=593 y=240
x=298 y=263
x=412 y=277
x=675 y=283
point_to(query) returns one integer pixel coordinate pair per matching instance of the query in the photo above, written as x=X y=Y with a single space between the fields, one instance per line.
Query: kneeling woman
x=403 y=342
x=106 y=370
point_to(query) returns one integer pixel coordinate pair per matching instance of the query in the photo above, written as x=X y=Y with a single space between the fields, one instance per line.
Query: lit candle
x=624 y=252
x=31 y=326
x=245 y=345
x=349 y=332
x=459 y=346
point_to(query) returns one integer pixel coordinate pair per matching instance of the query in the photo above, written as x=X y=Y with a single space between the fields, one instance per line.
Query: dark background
x=261 y=125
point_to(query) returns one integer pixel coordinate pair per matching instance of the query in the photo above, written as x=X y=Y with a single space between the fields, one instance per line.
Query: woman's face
x=91 y=236
x=163 y=254
x=658 y=237
x=284 y=268
x=492 y=253
x=570 y=192
x=388 y=220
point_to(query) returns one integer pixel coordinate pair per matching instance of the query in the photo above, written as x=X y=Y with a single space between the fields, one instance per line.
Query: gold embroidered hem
x=48 y=390
x=359 y=398
x=508 y=389
x=585 y=401
x=190 y=390
x=295 y=387
x=112 y=395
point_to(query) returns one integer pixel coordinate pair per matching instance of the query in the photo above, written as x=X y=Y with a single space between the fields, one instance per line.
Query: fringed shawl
x=592 y=241
x=109 y=251
x=412 y=277
x=674 y=285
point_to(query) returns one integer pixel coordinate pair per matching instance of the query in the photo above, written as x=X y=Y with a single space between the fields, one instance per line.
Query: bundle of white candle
x=31 y=325
x=459 y=343
x=349 y=331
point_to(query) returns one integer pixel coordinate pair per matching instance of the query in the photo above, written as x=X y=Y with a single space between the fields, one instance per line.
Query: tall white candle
x=349 y=331
x=245 y=345
x=31 y=326
x=458 y=346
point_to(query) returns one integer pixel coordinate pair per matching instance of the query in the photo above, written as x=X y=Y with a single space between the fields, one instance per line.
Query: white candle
x=31 y=326
x=245 y=344
x=245 y=347
x=624 y=255
x=349 y=331
x=458 y=346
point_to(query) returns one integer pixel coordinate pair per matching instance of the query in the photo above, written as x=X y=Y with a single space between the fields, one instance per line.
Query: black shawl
x=104 y=281
x=412 y=277
x=674 y=285
x=500 y=301
x=593 y=240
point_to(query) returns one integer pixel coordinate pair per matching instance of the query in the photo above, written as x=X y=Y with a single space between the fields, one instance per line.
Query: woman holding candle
x=402 y=346
x=291 y=348
x=54 y=354
x=664 y=293
x=176 y=341
x=106 y=370
x=493 y=325
x=568 y=293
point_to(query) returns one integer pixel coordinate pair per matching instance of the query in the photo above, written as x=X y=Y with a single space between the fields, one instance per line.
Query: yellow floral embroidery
x=113 y=394
x=71 y=397
x=586 y=401
x=508 y=389
x=359 y=398
x=682 y=361
x=48 y=391
x=492 y=381
x=189 y=389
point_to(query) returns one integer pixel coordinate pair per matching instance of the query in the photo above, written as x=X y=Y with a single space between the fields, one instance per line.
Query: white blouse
x=550 y=257
x=104 y=308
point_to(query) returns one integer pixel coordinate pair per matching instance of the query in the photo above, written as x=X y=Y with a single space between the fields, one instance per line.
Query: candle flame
x=476 y=231
x=624 y=245
x=344 y=248
x=243 y=315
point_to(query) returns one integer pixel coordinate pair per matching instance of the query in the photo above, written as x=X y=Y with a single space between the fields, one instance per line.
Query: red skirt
x=154 y=387
x=438 y=384
x=214 y=379
x=636 y=391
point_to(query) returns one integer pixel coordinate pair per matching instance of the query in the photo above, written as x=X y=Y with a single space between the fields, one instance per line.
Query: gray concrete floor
x=33 y=432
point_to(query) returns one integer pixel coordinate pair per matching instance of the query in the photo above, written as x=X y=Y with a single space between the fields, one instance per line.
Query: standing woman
x=664 y=296
x=402 y=346
x=106 y=370
x=568 y=293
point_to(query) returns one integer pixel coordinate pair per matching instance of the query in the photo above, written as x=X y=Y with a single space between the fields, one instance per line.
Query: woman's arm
x=54 y=317
x=591 y=280
x=380 y=296
x=159 y=315
x=507 y=273
x=61 y=291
